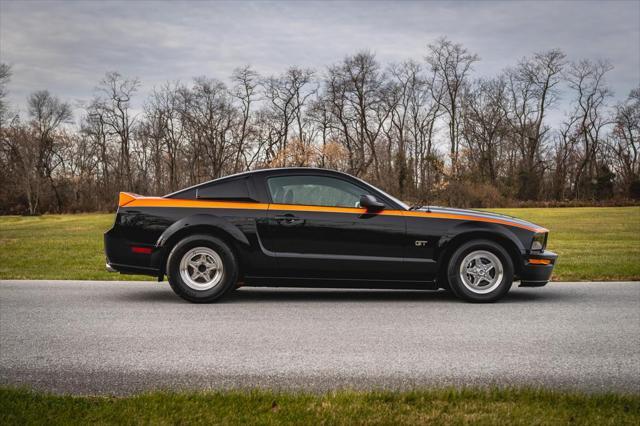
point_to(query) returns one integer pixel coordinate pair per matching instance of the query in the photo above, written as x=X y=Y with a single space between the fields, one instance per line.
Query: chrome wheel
x=201 y=268
x=481 y=271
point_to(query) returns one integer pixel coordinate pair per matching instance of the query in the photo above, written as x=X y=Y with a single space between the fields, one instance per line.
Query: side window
x=314 y=191
x=235 y=189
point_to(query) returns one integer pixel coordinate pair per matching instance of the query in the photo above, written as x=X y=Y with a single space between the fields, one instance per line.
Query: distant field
x=601 y=243
x=435 y=407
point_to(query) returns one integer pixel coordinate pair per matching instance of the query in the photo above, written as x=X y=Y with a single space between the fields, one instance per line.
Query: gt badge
x=420 y=243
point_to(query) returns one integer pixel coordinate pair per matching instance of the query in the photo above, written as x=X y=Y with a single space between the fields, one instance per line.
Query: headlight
x=539 y=242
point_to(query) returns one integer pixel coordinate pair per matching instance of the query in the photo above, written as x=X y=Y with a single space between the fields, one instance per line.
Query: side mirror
x=370 y=203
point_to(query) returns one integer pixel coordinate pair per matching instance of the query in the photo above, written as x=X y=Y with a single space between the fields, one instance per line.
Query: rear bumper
x=537 y=268
x=132 y=269
x=119 y=257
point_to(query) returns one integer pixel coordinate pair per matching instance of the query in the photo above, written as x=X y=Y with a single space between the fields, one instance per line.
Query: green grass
x=55 y=247
x=594 y=243
x=601 y=243
x=345 y=407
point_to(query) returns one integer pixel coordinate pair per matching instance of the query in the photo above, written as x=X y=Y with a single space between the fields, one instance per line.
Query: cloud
x=67 y=47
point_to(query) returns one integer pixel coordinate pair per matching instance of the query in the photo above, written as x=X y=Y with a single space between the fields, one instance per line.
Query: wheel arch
x=205 y=224
x=499 y=235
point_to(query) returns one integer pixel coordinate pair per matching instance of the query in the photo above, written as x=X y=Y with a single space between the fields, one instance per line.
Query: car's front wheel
x=480 y=271
x=201 y=268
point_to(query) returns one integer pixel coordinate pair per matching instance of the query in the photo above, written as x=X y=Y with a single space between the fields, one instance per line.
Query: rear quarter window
x=235 y=189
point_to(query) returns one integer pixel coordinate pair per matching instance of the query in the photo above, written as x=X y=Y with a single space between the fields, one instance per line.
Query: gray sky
x=67 y=47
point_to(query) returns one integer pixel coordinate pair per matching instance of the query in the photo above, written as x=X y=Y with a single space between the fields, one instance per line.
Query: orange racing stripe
x=174 y=202
x=473 y=218
x=132 y=200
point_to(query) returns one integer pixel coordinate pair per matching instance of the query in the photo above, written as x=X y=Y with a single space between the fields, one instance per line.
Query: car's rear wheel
x=202 y=269
x=480 y=271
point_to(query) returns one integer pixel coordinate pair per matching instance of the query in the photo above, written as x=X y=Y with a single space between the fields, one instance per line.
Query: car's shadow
x=258 y=295
x=254 y=295
x=288 y=295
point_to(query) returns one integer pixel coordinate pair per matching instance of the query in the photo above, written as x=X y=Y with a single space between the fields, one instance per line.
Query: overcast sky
x=67 y=47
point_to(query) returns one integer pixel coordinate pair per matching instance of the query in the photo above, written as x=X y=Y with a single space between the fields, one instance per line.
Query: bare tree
x=586 y=79
x=165 y=131
x=625 y=143
x=451 y=64
x=320 y=116
x=114 y=103
x=78 y=169
x=360 y=102
x=151 y=131
x=287 y=95
x=412 y=124
x=34 y=148
x=485 y=129
x=94 y=128
x=533 y=89
x=6 y=154
x=47 y=114
x=563 y=157
x=383 y=123
x=209 y=117
x=245 y=89
x=5 y=76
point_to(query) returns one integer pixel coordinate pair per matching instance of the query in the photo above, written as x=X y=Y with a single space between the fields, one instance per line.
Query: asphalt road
x=124 y=337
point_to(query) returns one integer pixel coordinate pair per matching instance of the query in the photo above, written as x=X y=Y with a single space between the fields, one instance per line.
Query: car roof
x=294 y=171
x=279 y=170
x=275 y=170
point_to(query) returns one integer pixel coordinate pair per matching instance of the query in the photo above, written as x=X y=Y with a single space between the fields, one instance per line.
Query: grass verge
x=497 y=406
x=600 y=243
x=594 y=243
x=68 y=246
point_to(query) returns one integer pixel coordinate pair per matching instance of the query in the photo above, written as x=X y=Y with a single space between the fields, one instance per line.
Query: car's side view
x=319 y=228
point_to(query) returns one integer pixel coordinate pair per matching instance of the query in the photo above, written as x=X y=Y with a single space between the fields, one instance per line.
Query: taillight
x=141 y=250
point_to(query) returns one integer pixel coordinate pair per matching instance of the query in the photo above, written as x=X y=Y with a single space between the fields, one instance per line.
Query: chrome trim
x=109 y=267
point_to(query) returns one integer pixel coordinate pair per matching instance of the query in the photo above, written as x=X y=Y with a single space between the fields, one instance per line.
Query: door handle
x=289 y=220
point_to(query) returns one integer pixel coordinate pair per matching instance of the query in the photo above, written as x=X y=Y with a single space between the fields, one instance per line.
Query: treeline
x=426 y=131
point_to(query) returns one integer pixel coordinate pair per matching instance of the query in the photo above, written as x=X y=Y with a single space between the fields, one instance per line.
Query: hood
x=481 y=216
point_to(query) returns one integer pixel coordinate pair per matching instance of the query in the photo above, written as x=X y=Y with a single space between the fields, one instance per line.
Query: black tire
x=464 y=288
x=229 y=274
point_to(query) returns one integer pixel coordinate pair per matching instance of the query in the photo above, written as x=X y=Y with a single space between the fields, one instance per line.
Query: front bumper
x=536 y=269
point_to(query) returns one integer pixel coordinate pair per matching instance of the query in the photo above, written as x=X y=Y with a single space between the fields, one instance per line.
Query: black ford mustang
x=319 y=228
